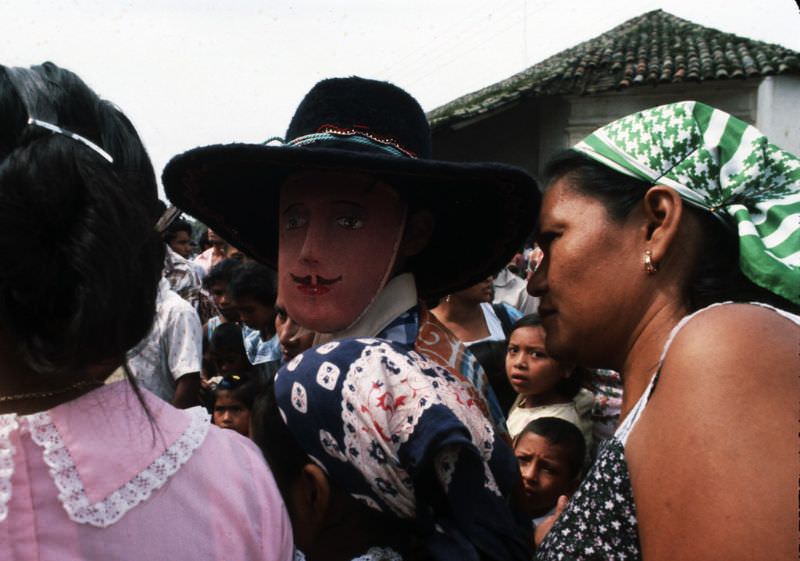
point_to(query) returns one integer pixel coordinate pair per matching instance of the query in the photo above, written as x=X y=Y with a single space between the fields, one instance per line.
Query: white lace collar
x=374 y=554
x=103 y=500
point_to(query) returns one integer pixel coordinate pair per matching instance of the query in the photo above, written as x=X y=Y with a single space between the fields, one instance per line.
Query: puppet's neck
x=397 y=296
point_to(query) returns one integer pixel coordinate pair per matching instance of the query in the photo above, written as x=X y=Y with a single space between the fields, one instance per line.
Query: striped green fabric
x=722 y=164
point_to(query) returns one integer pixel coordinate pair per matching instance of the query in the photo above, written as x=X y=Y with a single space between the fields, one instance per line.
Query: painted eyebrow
x=291 y=207
x=371 y=186
x=346 y=202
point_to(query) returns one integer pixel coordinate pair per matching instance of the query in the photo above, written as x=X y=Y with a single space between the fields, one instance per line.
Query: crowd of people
x=347 y=350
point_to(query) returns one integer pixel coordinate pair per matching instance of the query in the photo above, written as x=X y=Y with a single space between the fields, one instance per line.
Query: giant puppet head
x=353 y=198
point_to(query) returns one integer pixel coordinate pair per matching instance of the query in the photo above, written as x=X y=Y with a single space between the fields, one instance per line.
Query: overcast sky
x=192 y=73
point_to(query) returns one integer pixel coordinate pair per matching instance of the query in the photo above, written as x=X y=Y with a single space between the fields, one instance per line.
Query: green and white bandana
x=722 y=164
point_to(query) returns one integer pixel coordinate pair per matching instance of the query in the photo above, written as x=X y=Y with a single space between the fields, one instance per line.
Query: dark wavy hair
x=177 y=225
x=221 y=272
x=228 y=337
x=715 y=277
x=81 y=258
x=255 y=281
x=245 y=390
x=559 y=432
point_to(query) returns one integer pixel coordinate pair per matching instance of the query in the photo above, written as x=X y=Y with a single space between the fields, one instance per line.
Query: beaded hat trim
x=331 y=132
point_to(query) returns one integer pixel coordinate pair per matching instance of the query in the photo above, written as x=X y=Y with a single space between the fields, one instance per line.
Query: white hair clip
x=58 y=130
x=167 y=218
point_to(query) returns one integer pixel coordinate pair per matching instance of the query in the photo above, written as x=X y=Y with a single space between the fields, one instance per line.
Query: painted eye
x=294 y=222
x=350 y=222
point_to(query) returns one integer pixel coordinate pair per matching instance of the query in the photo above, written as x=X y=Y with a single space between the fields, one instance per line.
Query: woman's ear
x=417 y=234
x=317 y=488
x=308 y=501
x=663 y=209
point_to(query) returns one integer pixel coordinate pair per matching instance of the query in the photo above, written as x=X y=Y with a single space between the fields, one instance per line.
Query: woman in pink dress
x=87 y=470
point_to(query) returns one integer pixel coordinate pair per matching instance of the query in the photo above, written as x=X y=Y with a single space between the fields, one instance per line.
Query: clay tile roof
x=654 y=48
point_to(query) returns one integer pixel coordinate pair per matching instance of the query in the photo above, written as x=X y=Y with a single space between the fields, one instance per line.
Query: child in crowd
x=233 y=401
x=546 y=387
x=483 y=327
x=550 y=453
x=228 y=358
x=293 y=339
x=227 y=352
x=216 y=252
x=178 y=236
x=216 y=283
x=237 y=382
x=253 y=290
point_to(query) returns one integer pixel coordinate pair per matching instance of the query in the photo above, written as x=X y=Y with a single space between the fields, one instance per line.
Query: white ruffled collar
x=135 y=461
x=374 y=554
x=399 y=294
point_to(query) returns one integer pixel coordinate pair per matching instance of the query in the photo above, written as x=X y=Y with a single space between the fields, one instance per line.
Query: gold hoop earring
x=649 y=267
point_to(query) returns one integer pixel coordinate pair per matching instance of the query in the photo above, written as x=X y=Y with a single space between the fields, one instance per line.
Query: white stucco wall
x=778 y=111
x=535 y=129
x=737 y=97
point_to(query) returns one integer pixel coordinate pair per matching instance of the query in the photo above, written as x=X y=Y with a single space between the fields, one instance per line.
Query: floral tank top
x=599 y=522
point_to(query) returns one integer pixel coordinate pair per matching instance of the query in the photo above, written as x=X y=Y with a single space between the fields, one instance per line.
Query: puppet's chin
x=332 y=307
x=323 y=323
x=328 y=314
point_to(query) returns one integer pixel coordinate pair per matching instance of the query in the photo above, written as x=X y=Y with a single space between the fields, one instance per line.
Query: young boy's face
x=181 y=244
x=293 y=339
x=219 y=294
x=339 y=235
x=229 y=362
x=256 y=315
x=216 y=242
x=530 y=370
x=546 y=472
x=230 y=413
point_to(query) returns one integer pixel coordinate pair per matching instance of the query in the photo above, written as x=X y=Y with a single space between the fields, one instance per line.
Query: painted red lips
x=314 y=285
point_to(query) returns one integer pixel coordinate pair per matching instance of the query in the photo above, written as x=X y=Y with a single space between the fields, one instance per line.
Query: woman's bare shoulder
x=726 y=349
x=722 y=334
x=717 y=427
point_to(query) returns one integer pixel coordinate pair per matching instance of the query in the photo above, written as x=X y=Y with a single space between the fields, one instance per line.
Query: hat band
x=327 y=133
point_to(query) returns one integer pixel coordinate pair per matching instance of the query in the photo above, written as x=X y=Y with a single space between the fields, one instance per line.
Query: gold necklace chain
x=34 y=395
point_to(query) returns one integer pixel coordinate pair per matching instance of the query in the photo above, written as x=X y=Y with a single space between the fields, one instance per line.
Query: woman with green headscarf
x=671 y=243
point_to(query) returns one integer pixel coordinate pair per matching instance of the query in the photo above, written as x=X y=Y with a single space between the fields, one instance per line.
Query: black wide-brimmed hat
x=483 y=211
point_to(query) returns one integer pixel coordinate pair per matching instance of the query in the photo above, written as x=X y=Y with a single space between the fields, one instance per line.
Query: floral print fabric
x=600 y=520
x=386 y=423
